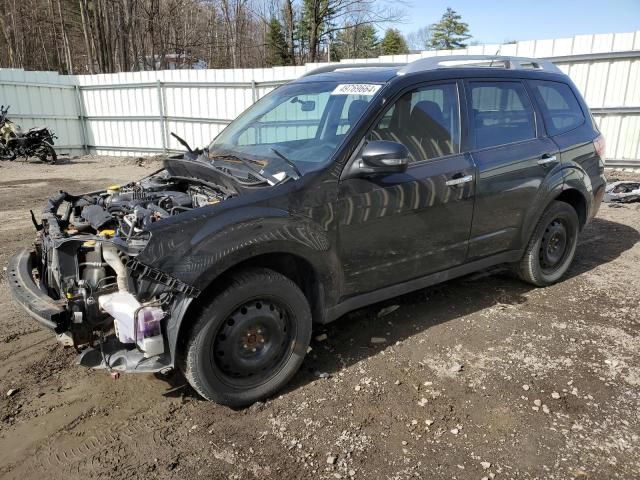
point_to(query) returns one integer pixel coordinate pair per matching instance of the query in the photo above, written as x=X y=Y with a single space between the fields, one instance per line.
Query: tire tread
x=528 y=268
x=192 y=349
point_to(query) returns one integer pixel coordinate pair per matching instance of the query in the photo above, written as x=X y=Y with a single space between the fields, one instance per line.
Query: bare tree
x=420 y=39
x=103 y=36
x=324 y=18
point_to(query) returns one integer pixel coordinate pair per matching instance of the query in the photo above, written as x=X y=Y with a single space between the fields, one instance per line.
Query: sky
x=495 y=21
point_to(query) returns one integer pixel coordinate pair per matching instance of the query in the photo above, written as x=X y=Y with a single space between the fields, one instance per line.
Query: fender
x=197 y=252
x=575 y=178
x=562 y=178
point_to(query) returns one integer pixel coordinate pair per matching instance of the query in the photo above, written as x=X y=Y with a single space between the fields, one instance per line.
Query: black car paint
x=367 y=238
x=357 y=234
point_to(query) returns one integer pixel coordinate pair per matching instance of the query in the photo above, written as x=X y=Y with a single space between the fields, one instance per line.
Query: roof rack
x=478 y=61
x=346 y=66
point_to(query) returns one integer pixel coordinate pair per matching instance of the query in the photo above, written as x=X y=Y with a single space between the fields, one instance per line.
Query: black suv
x=350 y=185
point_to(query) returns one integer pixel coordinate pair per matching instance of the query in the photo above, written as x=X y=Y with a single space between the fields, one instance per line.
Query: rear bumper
x=45 y=310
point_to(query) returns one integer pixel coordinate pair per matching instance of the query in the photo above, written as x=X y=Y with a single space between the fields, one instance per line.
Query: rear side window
x=501 y=113
x=560 y=108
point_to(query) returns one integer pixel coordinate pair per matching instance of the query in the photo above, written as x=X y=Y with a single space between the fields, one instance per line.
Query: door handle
x=547 y=159
x=459 y=180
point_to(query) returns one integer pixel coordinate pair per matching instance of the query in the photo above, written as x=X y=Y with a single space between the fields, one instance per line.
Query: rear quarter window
x=559 y=106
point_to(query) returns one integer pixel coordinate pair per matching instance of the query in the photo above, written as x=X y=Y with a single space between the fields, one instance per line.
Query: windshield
x=302 y=122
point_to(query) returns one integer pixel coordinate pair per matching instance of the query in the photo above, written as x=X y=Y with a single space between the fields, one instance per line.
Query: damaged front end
x=82 y=278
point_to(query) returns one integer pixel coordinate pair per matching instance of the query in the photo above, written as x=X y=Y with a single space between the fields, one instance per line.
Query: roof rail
x=478 y=61
x=344 y=66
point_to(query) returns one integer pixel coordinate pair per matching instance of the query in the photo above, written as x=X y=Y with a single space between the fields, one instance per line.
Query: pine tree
x=393 y=43
x=278 y=52
x=357 y=41
x=450 y=32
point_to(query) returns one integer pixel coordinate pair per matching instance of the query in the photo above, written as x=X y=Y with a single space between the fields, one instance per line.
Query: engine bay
x=87 y=245
x=129 y=209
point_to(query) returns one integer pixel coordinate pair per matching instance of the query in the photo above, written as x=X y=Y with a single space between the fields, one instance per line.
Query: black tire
x=552 y=246
x=46 y=153
x=250 y=340
x=7 y=153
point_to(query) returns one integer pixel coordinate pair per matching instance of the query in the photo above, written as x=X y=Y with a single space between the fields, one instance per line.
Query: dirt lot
x=480 y=377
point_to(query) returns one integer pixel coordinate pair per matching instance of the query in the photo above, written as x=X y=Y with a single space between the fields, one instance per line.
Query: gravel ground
x=481 y=377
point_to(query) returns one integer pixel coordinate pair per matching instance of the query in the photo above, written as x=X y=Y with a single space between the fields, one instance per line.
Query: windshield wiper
x=262 y=175
x=289 y=162
x=184 y=143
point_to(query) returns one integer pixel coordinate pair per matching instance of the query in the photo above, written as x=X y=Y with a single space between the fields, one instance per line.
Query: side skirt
x=369 y=298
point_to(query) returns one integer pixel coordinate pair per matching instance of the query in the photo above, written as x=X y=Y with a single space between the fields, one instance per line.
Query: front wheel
x=250 y=340
x=46 y=153
x=552 y=246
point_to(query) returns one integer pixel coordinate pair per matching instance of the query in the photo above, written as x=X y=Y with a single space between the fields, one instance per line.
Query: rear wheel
x=250 y=340
x=552 y=246
x=6 y=153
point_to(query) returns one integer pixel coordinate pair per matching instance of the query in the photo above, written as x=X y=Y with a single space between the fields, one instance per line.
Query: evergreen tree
x=278 y=52
x=393 y=43
x=357 y=41
x=450 y=32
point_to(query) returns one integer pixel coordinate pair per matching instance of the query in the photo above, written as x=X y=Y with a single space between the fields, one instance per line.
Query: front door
x=401 y=226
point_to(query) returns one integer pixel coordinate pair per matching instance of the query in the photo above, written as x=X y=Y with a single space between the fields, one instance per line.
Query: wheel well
x=296 y=268
x=577 y=201
x=292 y=266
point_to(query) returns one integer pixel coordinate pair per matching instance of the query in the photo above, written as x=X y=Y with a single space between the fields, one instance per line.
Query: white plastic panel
x=127 y=117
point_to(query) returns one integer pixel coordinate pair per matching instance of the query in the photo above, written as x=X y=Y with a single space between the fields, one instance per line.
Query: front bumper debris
x=113 y=355
x=45 y=310
x=623 y=192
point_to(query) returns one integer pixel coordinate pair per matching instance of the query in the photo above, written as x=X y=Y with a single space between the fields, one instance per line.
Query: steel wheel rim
x=253 y=343
x=554 y=246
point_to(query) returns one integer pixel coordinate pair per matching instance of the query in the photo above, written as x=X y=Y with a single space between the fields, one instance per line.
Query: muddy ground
x=480 y=377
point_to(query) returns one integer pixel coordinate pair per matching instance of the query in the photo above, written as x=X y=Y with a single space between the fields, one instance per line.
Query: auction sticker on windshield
x=356 y=89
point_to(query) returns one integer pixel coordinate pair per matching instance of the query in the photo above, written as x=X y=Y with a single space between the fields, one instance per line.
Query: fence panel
x=134 y=113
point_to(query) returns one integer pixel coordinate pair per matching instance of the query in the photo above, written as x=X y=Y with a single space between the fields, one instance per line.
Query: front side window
x=501 y=113
x=304 y=122
x=352 y=110
x=425 y=120
x=559 y=106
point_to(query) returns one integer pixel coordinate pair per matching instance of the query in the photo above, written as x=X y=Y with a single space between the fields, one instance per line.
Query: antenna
x=496 y=55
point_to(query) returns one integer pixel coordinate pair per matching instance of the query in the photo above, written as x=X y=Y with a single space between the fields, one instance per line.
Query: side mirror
x=381 y=156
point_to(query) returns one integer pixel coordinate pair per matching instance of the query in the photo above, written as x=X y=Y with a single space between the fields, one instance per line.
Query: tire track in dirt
x=68 y=423
x=60 y=452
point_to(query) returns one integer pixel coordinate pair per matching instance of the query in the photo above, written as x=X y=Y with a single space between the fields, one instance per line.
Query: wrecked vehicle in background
x=346 y=187
x=622 y=192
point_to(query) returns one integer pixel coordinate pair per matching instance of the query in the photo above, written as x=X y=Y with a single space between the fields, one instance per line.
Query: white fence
x=133 y=113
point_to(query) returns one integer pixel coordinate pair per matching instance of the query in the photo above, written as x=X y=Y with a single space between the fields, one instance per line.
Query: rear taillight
x=600 y=145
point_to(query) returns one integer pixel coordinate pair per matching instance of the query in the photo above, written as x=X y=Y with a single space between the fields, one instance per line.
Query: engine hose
x=110 y=255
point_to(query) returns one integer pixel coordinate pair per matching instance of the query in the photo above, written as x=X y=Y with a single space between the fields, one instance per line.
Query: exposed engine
x=129 y=209
x=88 y=245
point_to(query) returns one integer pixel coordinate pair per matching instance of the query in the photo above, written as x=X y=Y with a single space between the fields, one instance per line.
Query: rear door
x=513 y=157
x=401 y=226
x=568 y=125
